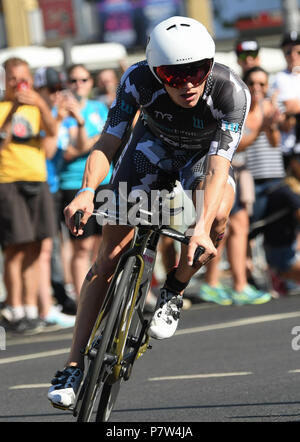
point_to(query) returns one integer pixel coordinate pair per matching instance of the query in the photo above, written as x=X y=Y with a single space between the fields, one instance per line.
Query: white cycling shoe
x=64 y=387
x=166 y=316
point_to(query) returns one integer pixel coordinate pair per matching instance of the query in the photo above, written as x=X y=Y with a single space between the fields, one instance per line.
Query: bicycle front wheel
x=129 y=336
x=100 y=368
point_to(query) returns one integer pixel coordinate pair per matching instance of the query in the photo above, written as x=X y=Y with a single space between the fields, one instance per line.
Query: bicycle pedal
x=60 y=407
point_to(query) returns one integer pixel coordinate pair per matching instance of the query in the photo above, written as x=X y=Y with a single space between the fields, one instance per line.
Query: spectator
x=247 y=52
x=287 y=82
x=107 y=82
x=48 y=82
x=26 y=207
x=280 y=236
x=261 y=140
x=287 y=86
x=85 y=126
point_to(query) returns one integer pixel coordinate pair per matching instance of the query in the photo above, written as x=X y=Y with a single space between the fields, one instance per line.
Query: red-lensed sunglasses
x=178 y=75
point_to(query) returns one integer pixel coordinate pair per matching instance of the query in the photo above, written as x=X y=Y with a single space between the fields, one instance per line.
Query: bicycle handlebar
x=165 y=231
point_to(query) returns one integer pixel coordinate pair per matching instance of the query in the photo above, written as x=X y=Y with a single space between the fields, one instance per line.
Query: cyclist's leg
x=81 y=258
x=66 y=383
x=115 y=239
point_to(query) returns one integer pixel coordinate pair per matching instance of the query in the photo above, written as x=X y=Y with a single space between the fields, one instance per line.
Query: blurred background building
x=61 y=25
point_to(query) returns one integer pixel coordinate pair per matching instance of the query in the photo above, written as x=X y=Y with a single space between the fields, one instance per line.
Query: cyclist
x=192 y=114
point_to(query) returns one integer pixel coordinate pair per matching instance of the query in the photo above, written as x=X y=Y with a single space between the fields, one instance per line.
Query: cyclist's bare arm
x=96 y=168
x=99 y=160
x=207 y=204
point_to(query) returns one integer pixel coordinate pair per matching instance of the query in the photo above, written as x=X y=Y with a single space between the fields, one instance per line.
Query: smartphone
x=69 y=94
x=77 y=97
x=66 y=93
x=22 y=86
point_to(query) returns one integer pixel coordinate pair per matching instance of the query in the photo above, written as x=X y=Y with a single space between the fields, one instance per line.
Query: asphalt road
x=225 y=364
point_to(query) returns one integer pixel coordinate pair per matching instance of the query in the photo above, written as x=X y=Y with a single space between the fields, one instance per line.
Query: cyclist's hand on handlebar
x=84 y=203
x=205 y=242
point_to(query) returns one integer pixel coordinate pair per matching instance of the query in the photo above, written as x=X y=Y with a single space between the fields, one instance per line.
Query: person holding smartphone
x=26 y=207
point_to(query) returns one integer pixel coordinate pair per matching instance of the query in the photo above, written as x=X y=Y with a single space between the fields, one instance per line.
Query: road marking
x=40 y=338
x=201 y=376
x=43 y=354
x=220 y=326
x=163 y=378
x=24 y=386
x=238 y=323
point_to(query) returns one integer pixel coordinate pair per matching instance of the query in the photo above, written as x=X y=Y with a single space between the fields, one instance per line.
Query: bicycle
x=119 y=336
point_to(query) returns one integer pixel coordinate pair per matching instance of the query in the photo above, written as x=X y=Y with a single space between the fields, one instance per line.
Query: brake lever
x=77 y=219
x=198 y=252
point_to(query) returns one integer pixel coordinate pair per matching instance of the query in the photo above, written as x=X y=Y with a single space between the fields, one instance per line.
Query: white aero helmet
x=178 y=40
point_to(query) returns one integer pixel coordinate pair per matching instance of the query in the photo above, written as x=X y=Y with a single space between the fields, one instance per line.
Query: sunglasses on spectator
x=243 y=55
x=78 y=80
x=289 y=51
x=178 y=75
x=252 y=83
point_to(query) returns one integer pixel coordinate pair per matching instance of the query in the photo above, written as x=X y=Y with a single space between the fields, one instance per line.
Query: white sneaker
x=64 y=387
x=166 y=316
x=56 y=317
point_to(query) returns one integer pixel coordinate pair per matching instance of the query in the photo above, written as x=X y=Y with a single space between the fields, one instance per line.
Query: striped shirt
x=263 y=160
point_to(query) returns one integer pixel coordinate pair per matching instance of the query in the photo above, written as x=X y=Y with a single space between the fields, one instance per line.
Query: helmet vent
x=181 y=24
